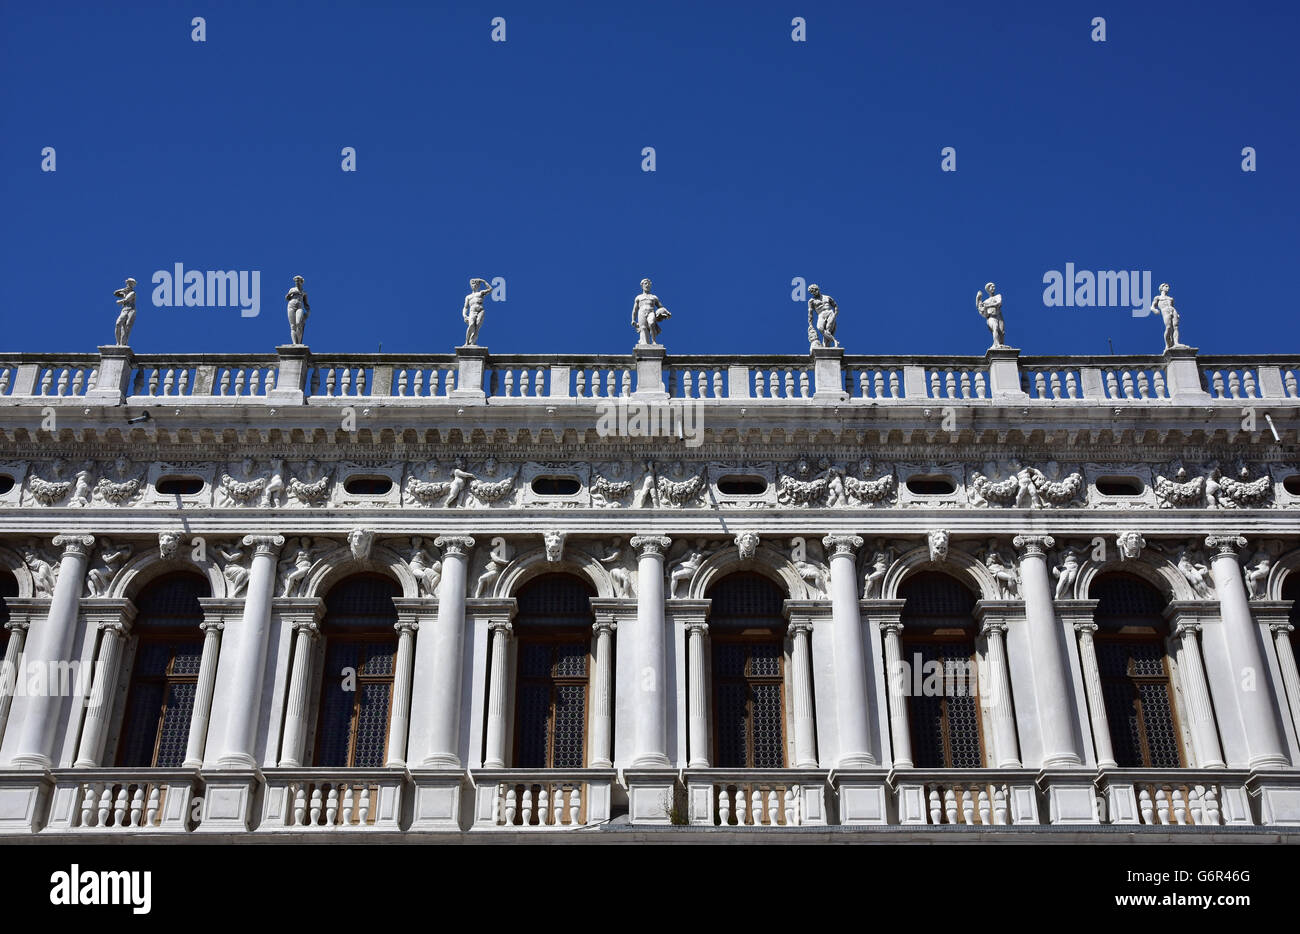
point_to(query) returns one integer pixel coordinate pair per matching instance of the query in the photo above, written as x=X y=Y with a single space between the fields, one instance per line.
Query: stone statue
x=100 y=577
x=498 y=558
x=273 y=493
x=990 y=310
x=647 y=312
x=126 y=317
x=459 y=477
x=686 y=568
x=645 y=494
x=234 y=571
x=822 y=315
x=296 y=567
x=881 y=559
x=44 y=573
x=472 y=311
x=618 y=572
x=426 y=569
x=1164 y=304
x=83 y=491
x=1067 y=572
x=1257 y=575
x=1003 y=570
x=299 y=310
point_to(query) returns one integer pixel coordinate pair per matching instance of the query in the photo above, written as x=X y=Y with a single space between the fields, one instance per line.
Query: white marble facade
x=463 y=477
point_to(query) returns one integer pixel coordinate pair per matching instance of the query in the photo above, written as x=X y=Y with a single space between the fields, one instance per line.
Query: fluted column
x=9 y=669
x=1285 y=660
x=898 y=683
x=1265 y=745
x=1102 y=745
x=50 y=641
x=852 y=699
x=446 y=643
x=496 y=706
x=212 y=627
x=998 y=695
x=602 y=694
x=250 y=654
x=1042 y=638
x=113 y=628
x=305 y=633
x=649 y=705
x=805 y=726
x=1205 y=735
x=698 y=729
x=400 y=721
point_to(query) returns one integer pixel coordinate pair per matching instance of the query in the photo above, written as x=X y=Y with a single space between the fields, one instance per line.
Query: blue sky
x=774 y=159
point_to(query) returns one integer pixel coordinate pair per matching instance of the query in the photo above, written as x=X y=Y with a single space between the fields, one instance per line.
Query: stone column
x=805 y=727
x=400 y=721
x=1042 y=638
x=997 y=695
x=445 y=644
x=250 y=654
x=1285 y=661
x=1205 y=737
x=114 y=624
x=1265 y=744
x=900 y=730
x=698 y=728
x=496 y=706
x=306 y=630
x=650 y=739
x=50 y=641
x=212 y=626
x=1102 y=745
x=9 y=669
x=602 y=694
x=852 y=699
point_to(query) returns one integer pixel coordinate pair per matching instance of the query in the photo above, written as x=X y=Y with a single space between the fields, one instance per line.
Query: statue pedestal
x=470 y=364
x=1183 y=376
x=291 y=375
x=828 y=374
x=650 y=371
x=1004 y=373
x=114 y=380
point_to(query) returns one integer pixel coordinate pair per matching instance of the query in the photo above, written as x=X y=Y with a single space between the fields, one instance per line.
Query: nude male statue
x=647 y=312
x=472 y=311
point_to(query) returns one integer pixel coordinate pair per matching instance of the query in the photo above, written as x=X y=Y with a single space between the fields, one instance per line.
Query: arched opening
x=356 y=680
x=1135 y=675
x=8 y=588
x=747 y=643
x=164 y=672
x=941 y=672
x=552 y=628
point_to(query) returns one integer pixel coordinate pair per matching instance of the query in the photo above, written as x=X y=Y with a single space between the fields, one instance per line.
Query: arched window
x=1134 y=665
x=747 y=641
x=552 y=629
x=164 y=672
x=356 y=693
x=938 y=646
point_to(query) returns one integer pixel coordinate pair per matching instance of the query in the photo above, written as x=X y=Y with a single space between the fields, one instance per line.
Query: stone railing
x=971 y=798
x=541 y=799
x=315 y=800
x=114 y=801
x=755 y=797
x=1187 y=797
x=472 y=376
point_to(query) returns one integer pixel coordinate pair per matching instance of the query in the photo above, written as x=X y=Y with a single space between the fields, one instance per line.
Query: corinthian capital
x=264 y=544
x=78 y=544
x=842 y=545
x=1033 y=546
x=1225 y=544
x=454 y=546
x=656 y=545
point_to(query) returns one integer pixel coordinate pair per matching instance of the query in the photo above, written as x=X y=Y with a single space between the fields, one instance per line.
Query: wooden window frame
x=167 y=679
x=940 y=636
x=552 y=637
x=1102 y=637
x=354 y=717
x=721 y=635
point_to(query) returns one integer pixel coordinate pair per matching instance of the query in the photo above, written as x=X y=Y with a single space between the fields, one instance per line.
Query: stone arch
x=1156 y=570
x=1283 y=568
x=768 y=560
x=964 y=567
x=334 y=566
x=534 y=564
x=13 y=562
x=143 y=568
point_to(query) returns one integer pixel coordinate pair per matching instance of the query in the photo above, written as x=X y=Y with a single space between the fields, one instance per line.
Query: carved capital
x=698 y=626
x=117 y=627
x=500 y=626
x=265 y=545
x=454 y=546
x=18 y=625
x=604 y=626
x=836 y=545
x=212 y=625
x=79 y=544
x=1284 y=628
x=892 y=625
x=307 y=627
x=991 y=626
x=1225 y=545
x=1085 y=629
x=800 y=627
x=1187 y=628
x=406 y=625
x=1033 y=546
x=651 y=545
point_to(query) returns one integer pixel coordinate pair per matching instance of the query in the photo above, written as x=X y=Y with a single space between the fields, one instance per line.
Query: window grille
x=747 y=634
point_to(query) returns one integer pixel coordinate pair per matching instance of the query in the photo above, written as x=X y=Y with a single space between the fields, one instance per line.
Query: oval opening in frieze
x=933 y=485
x=368 y=485
x=742 y=485
x=1291 y=484
x=6 y=483
x=179 y=486
x=1119 y=486
x=556 y=486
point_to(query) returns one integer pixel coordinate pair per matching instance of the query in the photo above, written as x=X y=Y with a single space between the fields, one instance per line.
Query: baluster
x=686 y=383
x=557 y=806
x=702 y=380
x=299 y=804
x=1292 y=385
x=4 y=381
x=105 y=805
x=1144 y=390
x=1000 y=815
x=1158 y=378
x=893 y=385
x=950 y=804
x=1249 y=377
x=1216 y=379
x=417 y=383
x=717 y=383
x=1234 y=384
x=1210 y=802
x=1195 y=807
x=774 y=384
x=137 y=807
x=1144 y=805
x=329 y=381
x=936 y=811
x=1040 y=385
x=773 y=806
x=950 y=384
x=239 y=382
x=967 y=805
x=93 y=378
x=88 y=805
x=349 y=804
x=1127 y=378
x=543 y=806
x=742 y=806
x=627 y=383
x=1112 y=389
x=1180 y=806
x=316 y=800
x=965 y=384
x=528 y=805
x=169 y=382
x=863 y=388
x=934 y=384
x=575 y=804
x=77 y=382
x=512 y=806
x=1056 y=385
x=724 y=805
x=539 y=381
x=755 y=806
x=1071 y=385
x=183 y=384
x=760 y=384
x=47 y=381
x=791 y=804
x=803 y=384
x=315 y=382
x=345 y=381
x=981 y=392
x=401 y=383
x=986 y=812
x=365 y=805
x=332 y=805
x=1162 y=805
x=789 y=383
x=525 y=382
x=119 y=807
x=510 y=383
x=582 y=382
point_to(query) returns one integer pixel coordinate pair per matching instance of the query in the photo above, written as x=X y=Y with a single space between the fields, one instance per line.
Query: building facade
x=339 y=594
